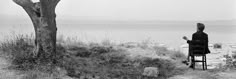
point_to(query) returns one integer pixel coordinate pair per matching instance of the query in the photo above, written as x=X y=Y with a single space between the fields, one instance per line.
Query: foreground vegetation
x=105 y=60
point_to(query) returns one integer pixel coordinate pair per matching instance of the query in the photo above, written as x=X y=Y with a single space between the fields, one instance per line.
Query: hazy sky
x=222 y=30
x=136 y=9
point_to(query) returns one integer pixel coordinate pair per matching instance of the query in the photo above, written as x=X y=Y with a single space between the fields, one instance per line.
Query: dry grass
x=106 y=59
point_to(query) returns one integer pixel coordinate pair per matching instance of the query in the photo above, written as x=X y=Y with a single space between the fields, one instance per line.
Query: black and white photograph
x=117 y=39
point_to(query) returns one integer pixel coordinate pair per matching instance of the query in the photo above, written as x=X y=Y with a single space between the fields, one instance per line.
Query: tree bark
x=42 y=14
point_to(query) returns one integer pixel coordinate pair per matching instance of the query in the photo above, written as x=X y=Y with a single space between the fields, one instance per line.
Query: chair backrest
x=198 y=46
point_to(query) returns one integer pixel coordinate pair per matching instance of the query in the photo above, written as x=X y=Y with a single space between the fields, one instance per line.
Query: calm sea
x=169 y=34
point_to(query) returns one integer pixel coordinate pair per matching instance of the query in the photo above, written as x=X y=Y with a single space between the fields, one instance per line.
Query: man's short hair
x=200 y=26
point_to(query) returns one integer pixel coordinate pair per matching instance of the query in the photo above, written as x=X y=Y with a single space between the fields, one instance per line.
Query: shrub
x=145 y=43
x=178 y=56
x=113 y=57
x=217 y=46
x=111 y=64
x=101 y=49
x=166 y=67
x=19 y=50
x=161 y=51
x=230 y=62
x=79 y=51
x=175 y=55
x=93 y=58
x=234 y=54
x=106 y=42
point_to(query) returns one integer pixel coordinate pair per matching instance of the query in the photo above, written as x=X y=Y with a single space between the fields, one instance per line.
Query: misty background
x=162 y=21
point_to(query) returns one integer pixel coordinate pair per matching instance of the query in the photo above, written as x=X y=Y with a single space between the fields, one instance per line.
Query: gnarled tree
x=42 y=14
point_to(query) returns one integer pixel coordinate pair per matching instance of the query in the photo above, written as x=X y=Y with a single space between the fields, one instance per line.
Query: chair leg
x=203 y=62
x=193 y=60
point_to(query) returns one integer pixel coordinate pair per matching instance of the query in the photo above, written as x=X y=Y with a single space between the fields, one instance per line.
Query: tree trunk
x=43 y=16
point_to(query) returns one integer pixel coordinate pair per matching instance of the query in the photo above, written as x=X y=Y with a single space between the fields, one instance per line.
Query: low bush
x=19 y=51
x=79 y=51
x=230 y=62
x=90 y=59
x=175 y=55
x=234 y=54
x=167 y=68
x=178 y=56
x=101 y=49
x=217 y=46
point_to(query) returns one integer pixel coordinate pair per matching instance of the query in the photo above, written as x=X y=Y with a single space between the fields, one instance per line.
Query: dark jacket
x=200 y=36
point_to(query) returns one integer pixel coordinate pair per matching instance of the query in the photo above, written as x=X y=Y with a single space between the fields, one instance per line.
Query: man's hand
x=185 y=38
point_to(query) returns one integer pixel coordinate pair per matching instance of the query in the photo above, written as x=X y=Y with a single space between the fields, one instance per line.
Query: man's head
x=200 y=27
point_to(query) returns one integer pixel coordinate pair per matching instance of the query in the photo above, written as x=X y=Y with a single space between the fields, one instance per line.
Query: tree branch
x=48 y=7
x=56 y=2
x=24 y=3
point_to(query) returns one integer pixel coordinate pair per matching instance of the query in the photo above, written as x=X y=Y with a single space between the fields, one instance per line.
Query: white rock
x=151 y=72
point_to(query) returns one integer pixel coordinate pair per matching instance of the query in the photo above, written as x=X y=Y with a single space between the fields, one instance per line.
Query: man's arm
x=207 y=41
x=190 y=41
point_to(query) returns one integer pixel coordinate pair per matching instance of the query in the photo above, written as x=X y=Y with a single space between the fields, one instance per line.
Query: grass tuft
x=79 y=59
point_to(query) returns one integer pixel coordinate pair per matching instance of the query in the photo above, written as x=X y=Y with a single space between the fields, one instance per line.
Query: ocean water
x=169 y=34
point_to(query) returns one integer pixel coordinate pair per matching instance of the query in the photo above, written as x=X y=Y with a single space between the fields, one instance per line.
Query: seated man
x=199 y=35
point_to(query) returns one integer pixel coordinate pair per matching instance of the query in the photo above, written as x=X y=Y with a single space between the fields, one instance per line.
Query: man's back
x=202 y=37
